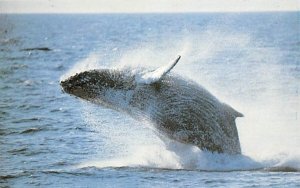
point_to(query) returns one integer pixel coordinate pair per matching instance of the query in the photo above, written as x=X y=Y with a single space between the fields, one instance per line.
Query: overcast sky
x=137 y=6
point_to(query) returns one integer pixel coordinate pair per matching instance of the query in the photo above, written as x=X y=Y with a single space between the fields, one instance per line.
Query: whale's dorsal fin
x=232 y=111
x=158 y=74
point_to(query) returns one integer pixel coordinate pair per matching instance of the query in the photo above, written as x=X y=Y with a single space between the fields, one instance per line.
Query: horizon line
x=146 y=6
x=155 y=12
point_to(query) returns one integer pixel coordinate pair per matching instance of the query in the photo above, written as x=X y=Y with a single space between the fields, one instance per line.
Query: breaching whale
x=179 y=108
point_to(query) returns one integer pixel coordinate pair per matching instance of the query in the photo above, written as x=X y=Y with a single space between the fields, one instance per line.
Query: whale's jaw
x=66 y=86
x=80 y=86
x=71 y=87
x=98 y=84
x=76 y=91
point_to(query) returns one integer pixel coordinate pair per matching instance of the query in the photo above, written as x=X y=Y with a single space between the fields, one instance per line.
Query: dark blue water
x=50 y=139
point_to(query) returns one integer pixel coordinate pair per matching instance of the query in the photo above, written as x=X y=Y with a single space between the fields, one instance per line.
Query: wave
x=177 y=156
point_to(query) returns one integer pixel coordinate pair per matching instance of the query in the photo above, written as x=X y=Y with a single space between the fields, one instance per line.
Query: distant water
x=50 y=139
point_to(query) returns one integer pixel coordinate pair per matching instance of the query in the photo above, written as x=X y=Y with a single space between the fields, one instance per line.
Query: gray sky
x=137 y=6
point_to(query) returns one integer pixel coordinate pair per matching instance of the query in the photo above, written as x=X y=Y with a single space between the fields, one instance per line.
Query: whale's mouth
x=68 y=87
x=73 y=89
x=78 y=88
x=70 y=84
x=65 y=86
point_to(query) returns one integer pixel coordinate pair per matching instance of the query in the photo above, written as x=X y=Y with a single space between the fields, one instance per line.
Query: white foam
x=177 y=156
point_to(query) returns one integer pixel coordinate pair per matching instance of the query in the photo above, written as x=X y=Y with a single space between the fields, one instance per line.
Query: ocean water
x=50 y=139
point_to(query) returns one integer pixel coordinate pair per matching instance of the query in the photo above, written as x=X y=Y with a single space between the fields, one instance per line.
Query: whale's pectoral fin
x=158 y=74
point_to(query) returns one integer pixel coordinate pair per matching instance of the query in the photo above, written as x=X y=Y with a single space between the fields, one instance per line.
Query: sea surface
x=250 y=61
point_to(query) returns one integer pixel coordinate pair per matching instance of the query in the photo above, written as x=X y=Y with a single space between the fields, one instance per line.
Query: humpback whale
x=178 y=107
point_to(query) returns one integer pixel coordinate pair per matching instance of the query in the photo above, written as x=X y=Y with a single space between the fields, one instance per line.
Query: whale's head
x=97 y=84
x=113 y=87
